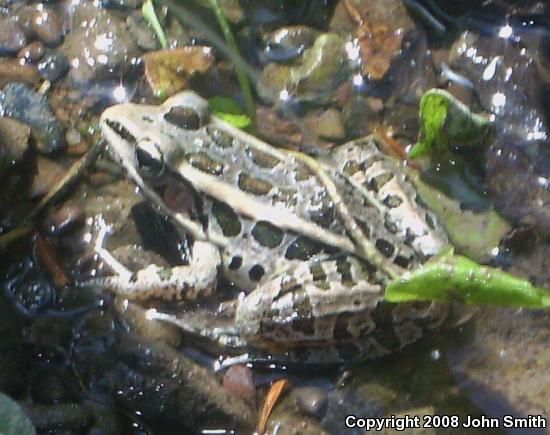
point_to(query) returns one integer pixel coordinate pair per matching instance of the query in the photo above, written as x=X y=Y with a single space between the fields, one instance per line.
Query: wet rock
x=12 y=37
x=46 y=418
x=169 y=71
x=73 y=137
x=63 y=219
x=11 y=70
x=311 y=400
x=53 y=66
x=239 y=380
x=14 y=142
x=327 y=124
x=379 y=29
x=47 y=26
x=21 y=102
x=287 y=43
x=287 y=419
x=142 y=32
x=32 y=53
x=48 y=172
x=120 y=4
x=319 y=72
x=517 y=157
x=99 y=47
x=361 y=113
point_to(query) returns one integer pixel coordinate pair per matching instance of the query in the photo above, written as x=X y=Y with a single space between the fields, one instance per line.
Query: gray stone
x=23 y=103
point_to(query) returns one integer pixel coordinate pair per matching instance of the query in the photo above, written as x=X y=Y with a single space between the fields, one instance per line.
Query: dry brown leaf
x=273 y=396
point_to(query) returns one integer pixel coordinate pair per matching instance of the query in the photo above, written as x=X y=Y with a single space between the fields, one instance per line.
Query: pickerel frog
x=313 y=242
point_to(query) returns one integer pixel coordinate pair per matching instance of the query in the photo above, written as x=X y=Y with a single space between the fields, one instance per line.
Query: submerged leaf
x=453 y=278
x=444 y=122
x=230 y=111
x=13 y=420
x=474 y=234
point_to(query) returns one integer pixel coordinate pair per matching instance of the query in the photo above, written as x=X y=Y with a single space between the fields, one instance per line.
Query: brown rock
x=48 y=172
x=12 y=37
x=169 y=71
x=32 y=53
x=47 y=26
x=12 y=71
x=14 y=141
x=328 y=124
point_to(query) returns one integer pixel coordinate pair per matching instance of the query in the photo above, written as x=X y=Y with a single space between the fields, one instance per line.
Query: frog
x=312 y=242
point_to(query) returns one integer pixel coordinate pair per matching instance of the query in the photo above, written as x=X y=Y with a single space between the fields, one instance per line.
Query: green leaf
x=453 y=278
x=230 y=111
x=445 y=122
x=148 y=11
x=474 y=234
x=13 y=420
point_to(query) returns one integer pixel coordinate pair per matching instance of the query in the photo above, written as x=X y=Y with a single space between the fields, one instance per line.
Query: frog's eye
x=183 y=117
x=153 y=167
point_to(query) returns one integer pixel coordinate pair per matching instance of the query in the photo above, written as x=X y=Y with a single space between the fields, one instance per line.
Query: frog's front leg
x=196 y=279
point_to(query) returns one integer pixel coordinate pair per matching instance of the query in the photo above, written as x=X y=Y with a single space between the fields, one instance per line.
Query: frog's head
x=142 y=137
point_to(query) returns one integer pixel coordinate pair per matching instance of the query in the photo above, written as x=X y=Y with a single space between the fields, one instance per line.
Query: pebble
x=12 y=37
x=73 y=137
x=47 y=26
x=239 y=380
x=48 y=172
x=23 y=103
x=32 y=53
x=119 y=4
x=91 y=58
x=328 y=124
x=12 y=71
x=311 y=400
x=14 y=142
x=53 y=67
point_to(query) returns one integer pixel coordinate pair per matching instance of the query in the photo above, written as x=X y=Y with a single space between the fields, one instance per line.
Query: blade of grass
x=241 y=74
x=150 y=15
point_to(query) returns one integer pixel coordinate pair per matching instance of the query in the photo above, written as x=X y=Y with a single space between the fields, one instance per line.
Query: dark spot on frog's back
x=393 y=201
x=376 y=183
x=256 y=272
x=255 y=186
x=236 y=263
x=302 y=248
x=263 y=160
x=267 y=234
x=183 y=117
x=385 y=247
x=202 y=161
x=227 y=219
x=221 y=139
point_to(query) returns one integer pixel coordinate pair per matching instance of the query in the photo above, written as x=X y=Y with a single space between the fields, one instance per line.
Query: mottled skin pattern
x=281 y=231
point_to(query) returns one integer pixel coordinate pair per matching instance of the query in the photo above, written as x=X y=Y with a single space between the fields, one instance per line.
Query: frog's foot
x=197 y=279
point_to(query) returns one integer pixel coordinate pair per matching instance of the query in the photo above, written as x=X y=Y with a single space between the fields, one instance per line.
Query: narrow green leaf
x=230 y=111
x=241 y=73
x=150 y=15
x=455 y=278
x=13 y=420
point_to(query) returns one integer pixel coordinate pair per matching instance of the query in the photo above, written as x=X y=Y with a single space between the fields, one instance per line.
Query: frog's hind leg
x=191 y=281
x=331 y=310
